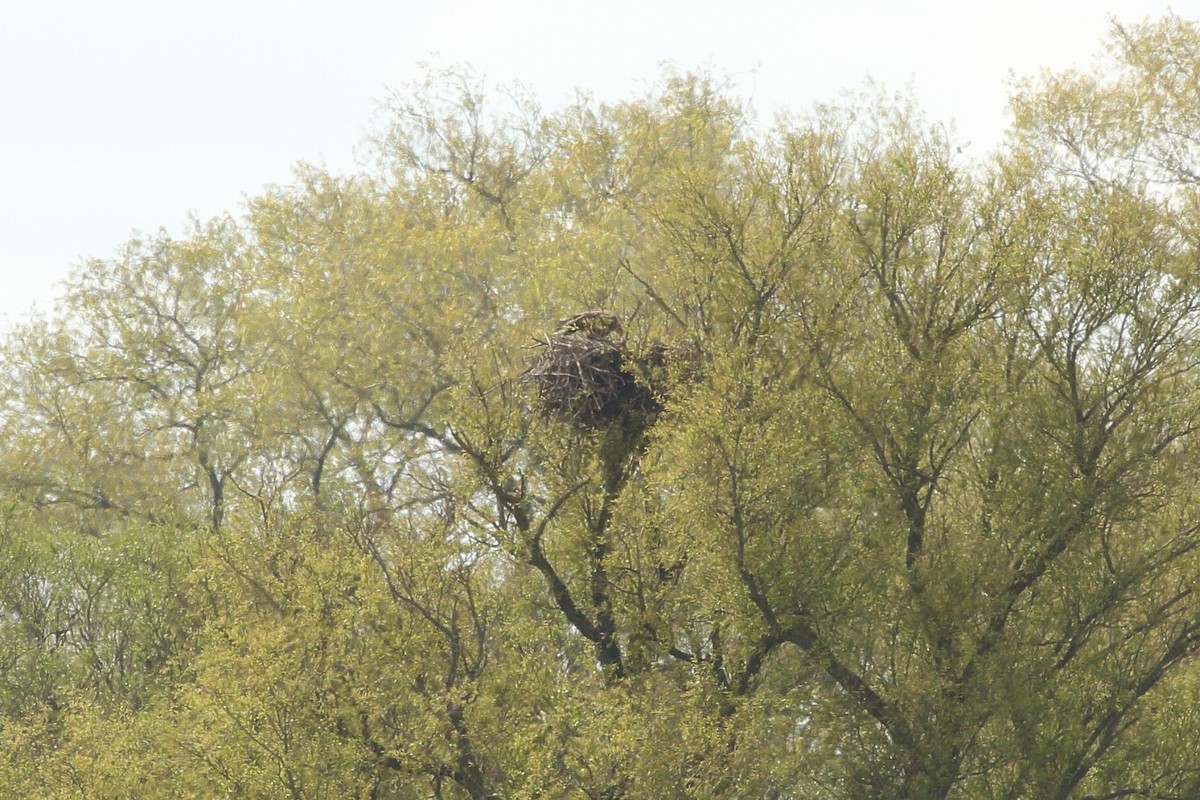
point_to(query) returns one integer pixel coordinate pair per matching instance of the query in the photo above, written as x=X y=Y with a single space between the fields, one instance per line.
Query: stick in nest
x=580 y=376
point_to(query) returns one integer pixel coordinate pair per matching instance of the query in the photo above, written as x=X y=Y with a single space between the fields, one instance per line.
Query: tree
x=633 y=450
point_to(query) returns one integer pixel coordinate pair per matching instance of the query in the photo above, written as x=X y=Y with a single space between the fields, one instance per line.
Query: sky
x=119 y=117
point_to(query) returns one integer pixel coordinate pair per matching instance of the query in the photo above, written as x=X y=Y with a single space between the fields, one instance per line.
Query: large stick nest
x=585 y=375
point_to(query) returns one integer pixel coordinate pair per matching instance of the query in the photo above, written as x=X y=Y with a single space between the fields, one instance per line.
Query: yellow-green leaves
x=888 y=492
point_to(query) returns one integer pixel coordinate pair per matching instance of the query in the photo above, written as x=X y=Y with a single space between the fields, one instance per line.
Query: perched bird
x=593 y=324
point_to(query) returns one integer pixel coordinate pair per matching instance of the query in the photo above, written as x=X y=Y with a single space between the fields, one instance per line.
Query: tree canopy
x=633 y=450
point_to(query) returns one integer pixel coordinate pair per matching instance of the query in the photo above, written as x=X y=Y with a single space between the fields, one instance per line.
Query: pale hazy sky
x=119 y=116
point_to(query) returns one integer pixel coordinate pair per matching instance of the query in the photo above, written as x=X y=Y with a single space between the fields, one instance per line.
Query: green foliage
x=903 y=508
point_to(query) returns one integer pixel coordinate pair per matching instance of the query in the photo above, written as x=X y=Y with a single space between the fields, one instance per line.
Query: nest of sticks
x=586 y=377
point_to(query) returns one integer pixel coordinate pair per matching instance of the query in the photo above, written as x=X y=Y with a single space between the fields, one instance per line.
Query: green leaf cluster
x=912 y=512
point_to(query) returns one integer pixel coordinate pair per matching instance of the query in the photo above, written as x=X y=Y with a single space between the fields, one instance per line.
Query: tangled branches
x=583 y=373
